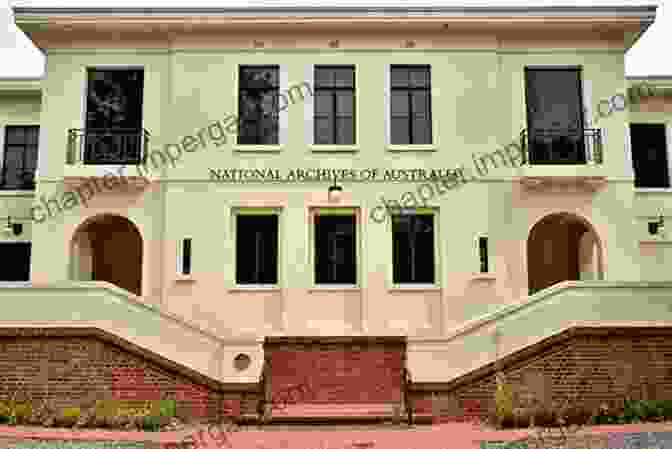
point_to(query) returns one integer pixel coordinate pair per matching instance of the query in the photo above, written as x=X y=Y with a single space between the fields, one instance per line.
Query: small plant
x=151 y=423
x=504 y=402
x=4 y=419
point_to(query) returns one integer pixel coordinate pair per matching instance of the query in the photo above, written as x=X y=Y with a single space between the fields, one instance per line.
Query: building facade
x=209 y=183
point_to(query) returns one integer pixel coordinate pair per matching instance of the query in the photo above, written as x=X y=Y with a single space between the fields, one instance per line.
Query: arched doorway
x=108 y=248
x=562 y=247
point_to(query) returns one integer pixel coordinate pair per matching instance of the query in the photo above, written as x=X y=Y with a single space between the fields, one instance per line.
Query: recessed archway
x=562 y=247
x=108 y=248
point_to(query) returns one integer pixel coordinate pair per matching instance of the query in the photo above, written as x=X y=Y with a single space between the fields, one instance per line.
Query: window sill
x=411 y=148
x=489 y=276
x=334 y=148
x=653 y=189
x=238 y=148
x=26 y=192
x=184 y=278
x=653 y=241
x=414 y=288
x=255 y=288
x=334 y=288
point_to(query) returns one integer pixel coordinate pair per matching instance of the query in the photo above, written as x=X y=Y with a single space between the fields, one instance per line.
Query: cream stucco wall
x=478 y=106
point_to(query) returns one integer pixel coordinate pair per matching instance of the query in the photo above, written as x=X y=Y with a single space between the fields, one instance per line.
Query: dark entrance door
x=555 y=115
x=113 y=117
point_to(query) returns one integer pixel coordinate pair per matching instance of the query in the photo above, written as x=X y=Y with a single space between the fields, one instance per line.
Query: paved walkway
x=440 y=436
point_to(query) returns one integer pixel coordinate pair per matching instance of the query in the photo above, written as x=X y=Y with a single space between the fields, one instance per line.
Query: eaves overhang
x=632 y=18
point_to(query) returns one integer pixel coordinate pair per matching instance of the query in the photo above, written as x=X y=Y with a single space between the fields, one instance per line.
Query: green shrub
x=504 y=401
x=151 y=423
x=4 y=419
x=71 y=412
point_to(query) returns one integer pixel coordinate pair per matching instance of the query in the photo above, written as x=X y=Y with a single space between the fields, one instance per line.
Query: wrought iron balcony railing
x=562 y=146
x=113 y=146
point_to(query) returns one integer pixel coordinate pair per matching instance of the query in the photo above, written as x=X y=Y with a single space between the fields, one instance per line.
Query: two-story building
x=374 y=201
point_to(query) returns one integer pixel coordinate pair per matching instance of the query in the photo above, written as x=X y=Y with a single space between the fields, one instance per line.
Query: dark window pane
x=400 y=131
x=345 y=104
x=399 y=76
x=420 y=104
x=323 y=130
x=400 y=104
x=413 y=248
x=335 y=249
x=323 y=77
x=344 y=77
x=344 y=131
x=649 y=155
x=15 y=261
x=422 y=132
x=324 y=103
x=256 y=249
x=419 y=77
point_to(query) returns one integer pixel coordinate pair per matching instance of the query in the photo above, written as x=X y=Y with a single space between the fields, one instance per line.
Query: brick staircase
x=308 y=379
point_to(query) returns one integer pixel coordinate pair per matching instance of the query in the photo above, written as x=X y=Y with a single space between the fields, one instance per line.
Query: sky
x=649 y=57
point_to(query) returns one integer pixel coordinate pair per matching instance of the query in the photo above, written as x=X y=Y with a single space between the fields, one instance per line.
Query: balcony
x=101 y=152
x=107 y=146
x=562 y=157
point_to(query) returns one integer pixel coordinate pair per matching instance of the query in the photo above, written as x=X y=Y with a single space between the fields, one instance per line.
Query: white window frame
x=309 y=111
x=434 y=211
x=251 y=210
x=354 y=211
x=180 y=258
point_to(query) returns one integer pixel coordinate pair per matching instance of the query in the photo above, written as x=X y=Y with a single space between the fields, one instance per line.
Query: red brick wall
x=338 y=373
x=600 y=364
x=78 y=370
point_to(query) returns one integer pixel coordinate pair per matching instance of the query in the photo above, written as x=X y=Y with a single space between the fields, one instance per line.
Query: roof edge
x=617 y=10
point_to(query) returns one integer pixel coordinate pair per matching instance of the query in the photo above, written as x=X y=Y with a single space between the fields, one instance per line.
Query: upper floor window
x=19 y=157
x=258 y=95
x=113 y=131
x=335 y=249
x=411 y=105
x=648 y=144
x=555 y=131
x=413 y=248
x=334 y=119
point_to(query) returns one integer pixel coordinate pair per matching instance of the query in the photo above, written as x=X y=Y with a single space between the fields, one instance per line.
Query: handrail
x=586 y=144
x=132 y=144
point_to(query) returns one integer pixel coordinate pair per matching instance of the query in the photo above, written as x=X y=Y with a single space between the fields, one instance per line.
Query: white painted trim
x=629 y=167
x=668 y=145
x=587 y=89
x=387 y=112
x=283 y=119
x=309 y=106
x=2 y=148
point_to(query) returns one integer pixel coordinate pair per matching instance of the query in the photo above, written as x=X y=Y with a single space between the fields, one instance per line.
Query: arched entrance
x=562 y=247
x=108 y=248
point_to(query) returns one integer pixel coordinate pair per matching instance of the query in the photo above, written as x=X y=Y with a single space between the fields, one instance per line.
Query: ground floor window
x=413 y=247
x=256 y=248
x=15 y=260
x=649 y=155
x=335 y=247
